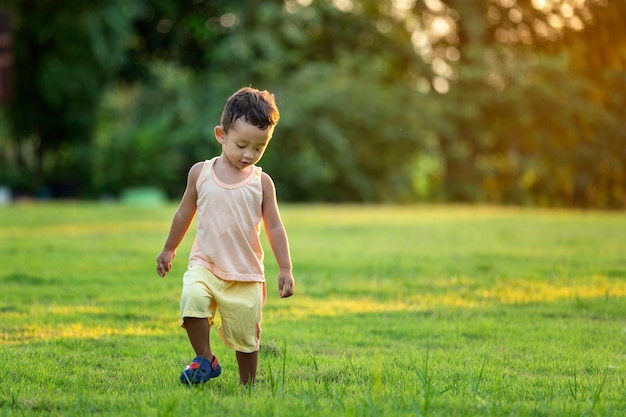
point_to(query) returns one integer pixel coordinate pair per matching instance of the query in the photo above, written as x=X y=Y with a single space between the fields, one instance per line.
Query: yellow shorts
x=240 y=306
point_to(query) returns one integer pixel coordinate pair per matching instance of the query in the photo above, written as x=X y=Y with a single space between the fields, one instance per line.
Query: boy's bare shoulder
x=266 y=180
x=268 y=188
x=197 y=166
x=195 y=171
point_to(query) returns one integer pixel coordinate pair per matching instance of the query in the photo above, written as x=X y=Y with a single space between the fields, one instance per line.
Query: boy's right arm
x=181 y=221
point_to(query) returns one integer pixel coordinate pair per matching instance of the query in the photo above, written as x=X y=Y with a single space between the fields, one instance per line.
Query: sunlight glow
x=293 y=6
x=441 y=85
x=576 y=24
x=542 y=4
x=441 y=67
x=567 y=11
x=103 y=228
x=228 y=20
x=541 y=28
x=507 y=3
x=441 y=26
x=401 y=8
x=419 y=39
x=345 y=6
x=48 y=322
x=435 y=5
x=514 y=291
x=555 y=21
x=32 y=333
x=453 y=53
x=515 y=15
x=559 y=14
x=510 y=291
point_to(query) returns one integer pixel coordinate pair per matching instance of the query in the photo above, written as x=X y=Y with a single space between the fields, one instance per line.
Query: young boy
x=232 y=196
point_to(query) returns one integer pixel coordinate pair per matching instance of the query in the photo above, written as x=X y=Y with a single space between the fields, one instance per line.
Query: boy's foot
x=200 y=370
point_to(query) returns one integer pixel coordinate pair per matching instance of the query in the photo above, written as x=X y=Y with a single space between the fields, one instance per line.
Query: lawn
x=399 y=311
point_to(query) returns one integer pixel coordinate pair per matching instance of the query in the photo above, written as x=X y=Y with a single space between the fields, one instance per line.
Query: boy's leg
x=204 y=366
x=248 y=363
x=199 y=333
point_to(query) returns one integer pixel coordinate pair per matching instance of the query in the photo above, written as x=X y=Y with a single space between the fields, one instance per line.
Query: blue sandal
x=200 y=370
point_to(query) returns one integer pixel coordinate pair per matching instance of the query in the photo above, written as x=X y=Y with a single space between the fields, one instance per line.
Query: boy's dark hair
x=254 y=106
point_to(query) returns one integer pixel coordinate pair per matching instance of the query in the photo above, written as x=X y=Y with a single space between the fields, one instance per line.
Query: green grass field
x=399 y=311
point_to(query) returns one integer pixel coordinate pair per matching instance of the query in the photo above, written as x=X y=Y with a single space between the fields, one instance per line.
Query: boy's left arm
x=277 y=237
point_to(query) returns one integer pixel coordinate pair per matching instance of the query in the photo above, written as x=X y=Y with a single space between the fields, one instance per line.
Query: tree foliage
x=497 y=101
x=63 y=55
x=563 y=141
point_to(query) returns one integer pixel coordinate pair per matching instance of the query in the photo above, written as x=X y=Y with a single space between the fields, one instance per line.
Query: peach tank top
x=228 y=225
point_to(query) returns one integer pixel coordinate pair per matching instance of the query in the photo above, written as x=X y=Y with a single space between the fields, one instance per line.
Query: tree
x=289 y=50
x=64 y=54
x=527 y=122
x=366 y=89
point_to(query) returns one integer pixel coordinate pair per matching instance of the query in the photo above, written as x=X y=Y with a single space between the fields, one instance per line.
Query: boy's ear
x=219 y=133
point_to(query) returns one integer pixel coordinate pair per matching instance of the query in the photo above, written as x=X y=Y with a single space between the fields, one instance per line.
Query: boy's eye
x=240 y=146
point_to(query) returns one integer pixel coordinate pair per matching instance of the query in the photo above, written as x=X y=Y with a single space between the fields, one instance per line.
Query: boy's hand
x=164 y=262
x=286 y=284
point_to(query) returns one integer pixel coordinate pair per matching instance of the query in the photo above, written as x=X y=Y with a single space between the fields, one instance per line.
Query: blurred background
x=519 y=102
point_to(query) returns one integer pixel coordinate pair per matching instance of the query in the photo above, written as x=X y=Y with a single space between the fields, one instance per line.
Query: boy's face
x=244 y=144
